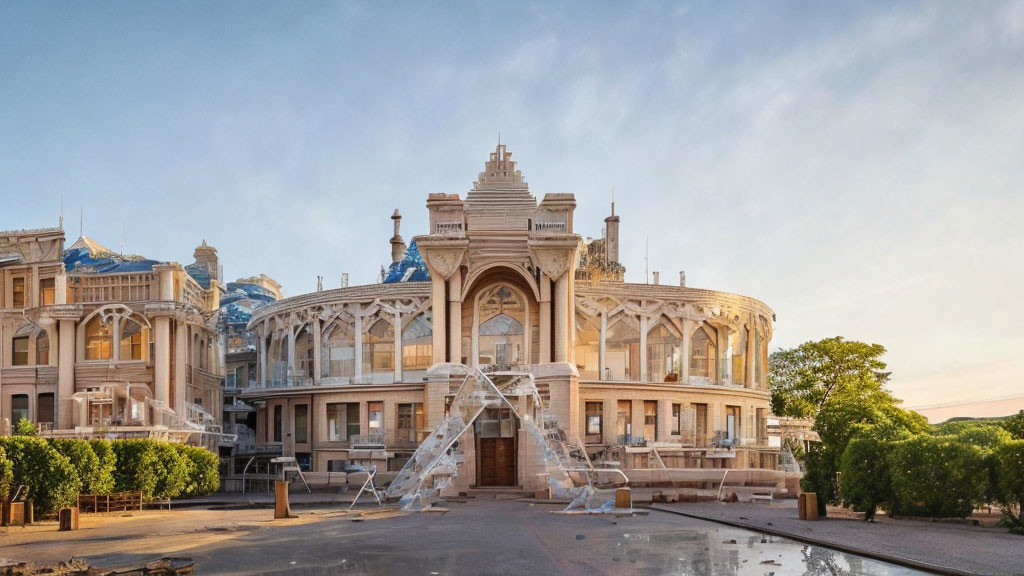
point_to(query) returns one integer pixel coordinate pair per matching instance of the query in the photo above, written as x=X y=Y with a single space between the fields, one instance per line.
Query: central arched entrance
x=501 y=327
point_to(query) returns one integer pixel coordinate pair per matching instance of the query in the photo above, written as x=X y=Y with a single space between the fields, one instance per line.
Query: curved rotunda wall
x=622 y=333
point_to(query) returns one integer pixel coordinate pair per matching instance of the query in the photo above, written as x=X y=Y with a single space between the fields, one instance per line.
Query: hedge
x=94 y=476
x=204 y=471
x=1008 y=477
x=937 y=476
x=6 y=474
x=104 y=483
x=52 y=480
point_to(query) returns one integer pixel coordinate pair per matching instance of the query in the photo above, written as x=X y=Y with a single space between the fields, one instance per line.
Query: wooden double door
x=496 y=461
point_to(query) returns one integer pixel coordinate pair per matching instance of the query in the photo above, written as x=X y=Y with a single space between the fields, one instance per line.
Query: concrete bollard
x=281 y=507
x=68 y=519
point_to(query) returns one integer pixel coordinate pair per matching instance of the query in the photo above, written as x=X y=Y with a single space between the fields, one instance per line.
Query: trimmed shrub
x=52 y=480
x=24 y=427
x=85 y=461
x=1008 y=477
x=864 y=478
x=104 y=482
x=937 y=476
x=986 y=437
x=172 y=470
x=6 y=475
x=137 y=464
x=203 y=471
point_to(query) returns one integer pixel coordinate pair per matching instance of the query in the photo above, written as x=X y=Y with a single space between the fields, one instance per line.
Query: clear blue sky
x=859 y=167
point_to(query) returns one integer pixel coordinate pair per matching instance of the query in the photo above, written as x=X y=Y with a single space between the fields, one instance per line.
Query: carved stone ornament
x=443 y=261
x=553 y=262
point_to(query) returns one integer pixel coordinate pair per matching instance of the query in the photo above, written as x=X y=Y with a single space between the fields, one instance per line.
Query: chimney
x=656 y=277
x=682 y=278
x=344 y=279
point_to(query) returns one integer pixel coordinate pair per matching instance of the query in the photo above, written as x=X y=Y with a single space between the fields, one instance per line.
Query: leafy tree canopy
x=804 y=378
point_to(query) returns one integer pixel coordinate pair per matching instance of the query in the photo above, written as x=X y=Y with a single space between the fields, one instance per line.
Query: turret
x=397 y=244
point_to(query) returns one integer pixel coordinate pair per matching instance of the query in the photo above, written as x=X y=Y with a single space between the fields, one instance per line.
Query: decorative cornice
x=442 y=254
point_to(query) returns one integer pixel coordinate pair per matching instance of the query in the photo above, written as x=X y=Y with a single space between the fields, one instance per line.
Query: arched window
x=42 y=348
x=134 y=340
x=418 y=343
x=738 y=347
x=588 y=347
x=19 y=346
x=99 y=338
x=379 y=351
x=622 y=349
x=304 y=352
x=703 y=352
x=338 y=351
x=502 y=314
x=664 y=353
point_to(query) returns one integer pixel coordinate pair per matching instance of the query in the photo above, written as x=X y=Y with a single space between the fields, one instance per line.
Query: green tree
x=804 y=378
x=840 y=384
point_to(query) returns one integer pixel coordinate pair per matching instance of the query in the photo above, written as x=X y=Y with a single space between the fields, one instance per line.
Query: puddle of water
x=729 y=551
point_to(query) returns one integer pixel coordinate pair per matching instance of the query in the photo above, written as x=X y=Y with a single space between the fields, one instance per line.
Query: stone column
x=357 y=328
x=181 y=367
x=684 y=370
x=66 y=374
x=115 y=352
x=562 y=318
x=545 y=319
x=162 y=360
x=438 y=320
x=643 y=347
x=724 y=355
x=314 y=325
x=291 y=351
x=262 y=333
x=749 y=363
x=455 y=317
x=602 y=360
x=398 y=342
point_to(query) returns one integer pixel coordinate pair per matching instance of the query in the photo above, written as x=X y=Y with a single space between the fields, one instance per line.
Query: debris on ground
x=168 y=566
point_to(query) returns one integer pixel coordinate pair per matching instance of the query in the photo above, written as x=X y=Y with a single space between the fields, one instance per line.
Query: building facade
x=97 y=343
x=631 y=372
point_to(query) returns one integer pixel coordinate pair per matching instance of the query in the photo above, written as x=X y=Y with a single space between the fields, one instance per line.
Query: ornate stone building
x=504 y=281
x=93 y=342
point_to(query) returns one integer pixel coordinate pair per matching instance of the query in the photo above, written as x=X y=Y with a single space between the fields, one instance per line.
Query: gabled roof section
x=88 y=255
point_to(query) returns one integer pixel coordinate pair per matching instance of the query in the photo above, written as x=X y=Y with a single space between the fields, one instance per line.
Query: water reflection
x=728 y=551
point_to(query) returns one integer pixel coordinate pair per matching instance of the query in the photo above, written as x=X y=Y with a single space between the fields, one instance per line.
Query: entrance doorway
x=496 y=448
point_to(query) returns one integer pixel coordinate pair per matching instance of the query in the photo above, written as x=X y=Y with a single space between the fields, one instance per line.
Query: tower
x=397 y=244
x=611 y=242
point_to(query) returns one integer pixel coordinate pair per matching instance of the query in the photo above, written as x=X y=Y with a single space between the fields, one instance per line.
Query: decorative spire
x=500 y=170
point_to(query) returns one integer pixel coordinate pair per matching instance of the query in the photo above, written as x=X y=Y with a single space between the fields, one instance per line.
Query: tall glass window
x=338 y=351
x=622 y=349
x=98 y=340
x=418 y=343
x=379 y=351
x=502 y=337
x=664 y=353
x=588 y=347
x=42 y=348
x=134 y=340
x=301 y=423
x=703 y=353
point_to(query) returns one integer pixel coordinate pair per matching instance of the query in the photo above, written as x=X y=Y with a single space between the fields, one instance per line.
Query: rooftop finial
x=613 y=199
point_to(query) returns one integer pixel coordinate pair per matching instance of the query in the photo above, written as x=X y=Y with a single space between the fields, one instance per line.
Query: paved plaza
x=478 y=537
